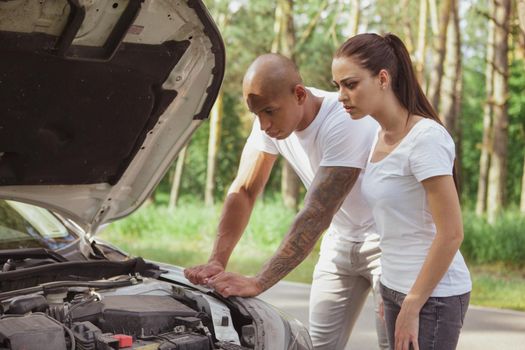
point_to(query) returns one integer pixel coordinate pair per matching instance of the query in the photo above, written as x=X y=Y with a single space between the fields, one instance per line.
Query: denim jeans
x=343 y=277
x=440 y=319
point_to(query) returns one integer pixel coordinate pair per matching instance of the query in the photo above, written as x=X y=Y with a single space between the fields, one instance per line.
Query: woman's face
x=359 y=91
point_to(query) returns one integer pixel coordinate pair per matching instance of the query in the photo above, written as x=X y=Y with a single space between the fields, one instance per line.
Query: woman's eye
x=351 y=85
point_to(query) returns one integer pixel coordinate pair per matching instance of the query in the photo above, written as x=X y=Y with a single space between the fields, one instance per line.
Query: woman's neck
x=394 y=119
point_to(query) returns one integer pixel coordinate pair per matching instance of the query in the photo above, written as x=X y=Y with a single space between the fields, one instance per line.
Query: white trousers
x=343 y=277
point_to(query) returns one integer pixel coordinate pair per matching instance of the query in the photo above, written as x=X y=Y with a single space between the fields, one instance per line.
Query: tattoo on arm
x=329 y=189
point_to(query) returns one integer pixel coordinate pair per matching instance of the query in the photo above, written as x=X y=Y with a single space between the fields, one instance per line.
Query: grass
x=185 y=237
x=498 y=286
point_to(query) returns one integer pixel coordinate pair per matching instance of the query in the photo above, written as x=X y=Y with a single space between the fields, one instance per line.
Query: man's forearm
x=298 y=243
x=328 y=191
x=235 y=215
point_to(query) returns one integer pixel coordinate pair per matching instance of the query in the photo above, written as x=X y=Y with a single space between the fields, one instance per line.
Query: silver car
x=97 y=97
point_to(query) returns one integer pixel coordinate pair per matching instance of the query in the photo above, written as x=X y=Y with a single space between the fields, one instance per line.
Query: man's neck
x=311 y=109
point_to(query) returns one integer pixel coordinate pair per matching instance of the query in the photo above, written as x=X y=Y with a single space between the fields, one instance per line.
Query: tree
x=177 y=177
x=497 y=170
x=284 y=43
x=521 y=14
x=452 y=82
x=213 y=148
x=222 y=18
x=355 y=17
x=407 y=25
x=440 y=47
x=421 y=42
x=486 y=145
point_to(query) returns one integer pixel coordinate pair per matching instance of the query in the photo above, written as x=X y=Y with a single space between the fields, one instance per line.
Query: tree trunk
x=434 y=17
x=522 y=201
x=451 y=91
x=498 y=163
x=440 y=47
x=332 y=31
x=488 y=111
x=521 y=14
x=175 y=184
x=422 y=42
x=355 y=17
x=284 y=43
x=407 y=25
x=213 y=148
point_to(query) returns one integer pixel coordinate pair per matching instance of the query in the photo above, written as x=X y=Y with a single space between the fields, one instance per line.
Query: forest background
x=470 y=59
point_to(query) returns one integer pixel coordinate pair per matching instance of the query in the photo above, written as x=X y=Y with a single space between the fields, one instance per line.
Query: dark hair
x=375 y=52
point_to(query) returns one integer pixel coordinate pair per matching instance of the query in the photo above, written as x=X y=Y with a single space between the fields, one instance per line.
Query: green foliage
x=193 y=224
x=503 y=242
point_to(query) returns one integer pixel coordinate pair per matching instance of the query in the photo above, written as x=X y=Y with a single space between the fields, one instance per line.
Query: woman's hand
x=407 y=327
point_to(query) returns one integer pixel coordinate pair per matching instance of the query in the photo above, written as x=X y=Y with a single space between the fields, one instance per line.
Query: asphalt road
x=484 y=328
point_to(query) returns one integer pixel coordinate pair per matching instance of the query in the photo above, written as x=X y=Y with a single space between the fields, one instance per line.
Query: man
x=327 y=149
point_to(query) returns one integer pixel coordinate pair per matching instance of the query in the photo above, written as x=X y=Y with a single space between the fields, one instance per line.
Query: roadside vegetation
x=184 y=237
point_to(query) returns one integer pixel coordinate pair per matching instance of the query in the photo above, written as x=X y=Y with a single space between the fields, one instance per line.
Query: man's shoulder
x=321 y=93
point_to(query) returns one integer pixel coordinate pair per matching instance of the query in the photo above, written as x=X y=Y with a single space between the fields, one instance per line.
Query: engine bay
x=147 y=314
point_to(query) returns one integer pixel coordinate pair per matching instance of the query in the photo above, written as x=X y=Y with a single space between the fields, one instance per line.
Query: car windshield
x=27 y=226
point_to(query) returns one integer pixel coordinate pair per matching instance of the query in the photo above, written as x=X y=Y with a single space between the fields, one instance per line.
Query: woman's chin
x=356 y=115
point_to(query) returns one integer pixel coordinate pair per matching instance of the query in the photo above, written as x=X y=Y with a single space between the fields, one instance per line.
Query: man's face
x=279 y=114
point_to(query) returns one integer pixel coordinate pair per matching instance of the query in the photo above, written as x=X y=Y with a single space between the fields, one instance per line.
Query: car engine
x=149 y=315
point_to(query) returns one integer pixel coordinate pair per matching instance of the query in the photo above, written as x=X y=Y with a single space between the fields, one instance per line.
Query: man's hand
x=233 y=284
x=201 y=273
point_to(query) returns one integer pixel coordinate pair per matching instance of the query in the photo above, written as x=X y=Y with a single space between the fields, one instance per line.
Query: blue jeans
x=440 y=319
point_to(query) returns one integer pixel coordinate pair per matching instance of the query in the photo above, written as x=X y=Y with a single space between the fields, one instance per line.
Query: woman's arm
x=444 y=206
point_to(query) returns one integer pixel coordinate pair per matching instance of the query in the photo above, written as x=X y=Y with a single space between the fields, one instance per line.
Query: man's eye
x=268 y=111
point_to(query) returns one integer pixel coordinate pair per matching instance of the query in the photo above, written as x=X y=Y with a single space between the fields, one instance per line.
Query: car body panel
x=90 y=128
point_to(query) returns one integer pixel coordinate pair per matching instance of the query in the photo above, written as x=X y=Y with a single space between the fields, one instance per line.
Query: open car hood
x=97 y=97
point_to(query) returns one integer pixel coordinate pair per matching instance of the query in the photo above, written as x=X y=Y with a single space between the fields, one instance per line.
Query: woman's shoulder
x=429 y=130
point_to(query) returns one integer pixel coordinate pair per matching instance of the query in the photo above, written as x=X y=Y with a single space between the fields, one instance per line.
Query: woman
x=410 y=187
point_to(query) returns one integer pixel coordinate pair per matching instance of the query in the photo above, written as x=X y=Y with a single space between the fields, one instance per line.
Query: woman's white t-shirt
x=393 y=189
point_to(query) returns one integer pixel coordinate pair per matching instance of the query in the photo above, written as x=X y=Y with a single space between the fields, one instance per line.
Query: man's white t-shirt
x=332 y=139
x=392 y=187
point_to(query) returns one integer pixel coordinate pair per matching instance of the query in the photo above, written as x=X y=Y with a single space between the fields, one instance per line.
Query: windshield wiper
x=30 y=253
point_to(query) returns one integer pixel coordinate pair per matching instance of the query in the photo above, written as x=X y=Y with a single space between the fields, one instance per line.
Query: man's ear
x=300 y=93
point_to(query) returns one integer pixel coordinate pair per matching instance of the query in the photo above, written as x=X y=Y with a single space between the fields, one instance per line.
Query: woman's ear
x=384 y=79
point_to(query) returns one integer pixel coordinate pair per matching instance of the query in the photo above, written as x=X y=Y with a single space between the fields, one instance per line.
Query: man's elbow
x=247 y=193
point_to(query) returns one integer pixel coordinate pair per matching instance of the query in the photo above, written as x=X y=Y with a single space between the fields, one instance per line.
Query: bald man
x=328 y=150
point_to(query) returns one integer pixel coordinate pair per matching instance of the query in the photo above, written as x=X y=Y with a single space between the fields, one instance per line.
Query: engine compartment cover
x=30 y=332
